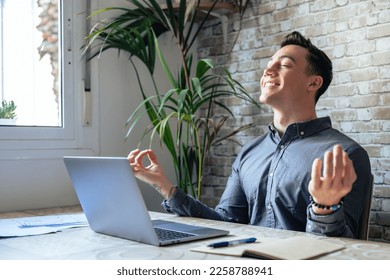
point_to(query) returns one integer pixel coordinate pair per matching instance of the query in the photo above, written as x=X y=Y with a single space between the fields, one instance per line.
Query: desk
x=84 y=244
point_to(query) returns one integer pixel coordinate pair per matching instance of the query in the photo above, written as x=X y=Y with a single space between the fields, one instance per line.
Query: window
x=29 y=52
x=42 y=72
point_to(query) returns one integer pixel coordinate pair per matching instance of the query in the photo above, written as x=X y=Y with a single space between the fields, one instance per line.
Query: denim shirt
x=269 y=182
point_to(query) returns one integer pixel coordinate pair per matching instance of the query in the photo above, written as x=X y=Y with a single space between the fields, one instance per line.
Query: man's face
x=285 y=80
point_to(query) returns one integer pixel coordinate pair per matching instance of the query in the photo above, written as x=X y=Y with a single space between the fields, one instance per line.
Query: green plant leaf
x=7 y=109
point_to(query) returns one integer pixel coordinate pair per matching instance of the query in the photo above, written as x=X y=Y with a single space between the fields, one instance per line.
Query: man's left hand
x=335 y=183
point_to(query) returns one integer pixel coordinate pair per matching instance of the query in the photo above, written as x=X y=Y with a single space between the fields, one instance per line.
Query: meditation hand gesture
x=152 y=174
x=336 y=182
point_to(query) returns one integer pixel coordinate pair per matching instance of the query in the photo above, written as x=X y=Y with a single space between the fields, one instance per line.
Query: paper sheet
x=40 y=224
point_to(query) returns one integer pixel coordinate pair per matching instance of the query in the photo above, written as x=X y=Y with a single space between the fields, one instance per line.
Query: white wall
x=119 y=96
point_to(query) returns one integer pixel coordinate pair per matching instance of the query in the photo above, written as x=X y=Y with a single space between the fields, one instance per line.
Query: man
x=278 y=180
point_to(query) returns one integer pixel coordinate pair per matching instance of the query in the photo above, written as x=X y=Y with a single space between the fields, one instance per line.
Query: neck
x=282 y=120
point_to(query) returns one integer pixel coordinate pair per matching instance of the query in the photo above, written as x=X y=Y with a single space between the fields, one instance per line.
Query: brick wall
x=356 y=36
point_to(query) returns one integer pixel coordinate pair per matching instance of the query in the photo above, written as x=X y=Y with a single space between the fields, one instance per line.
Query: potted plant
x=181 y=117
x=7 y=113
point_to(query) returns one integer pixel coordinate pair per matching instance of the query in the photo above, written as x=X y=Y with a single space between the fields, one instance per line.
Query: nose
x=269 y=71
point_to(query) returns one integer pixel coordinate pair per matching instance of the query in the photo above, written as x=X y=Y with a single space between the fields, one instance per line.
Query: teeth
x=270 y=84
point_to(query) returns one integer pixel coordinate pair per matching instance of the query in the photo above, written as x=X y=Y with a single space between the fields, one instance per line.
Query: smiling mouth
x=270 y=84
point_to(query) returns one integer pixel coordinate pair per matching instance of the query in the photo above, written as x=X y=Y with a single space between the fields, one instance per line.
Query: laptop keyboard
x=166 y=234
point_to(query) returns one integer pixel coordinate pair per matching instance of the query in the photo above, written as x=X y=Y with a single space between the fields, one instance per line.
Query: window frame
x=73 y=137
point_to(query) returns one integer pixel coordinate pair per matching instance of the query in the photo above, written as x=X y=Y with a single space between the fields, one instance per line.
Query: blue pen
x=231 y=243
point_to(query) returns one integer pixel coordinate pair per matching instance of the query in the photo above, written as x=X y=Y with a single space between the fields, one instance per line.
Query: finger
x=132 y=155
x=338 y=164
x=152 y=157
x=139 y=157
x=315 y=175
x=328 y=165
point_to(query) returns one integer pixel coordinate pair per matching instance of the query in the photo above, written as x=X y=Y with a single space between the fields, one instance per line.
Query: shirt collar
x=304 y=129
x=272 y=128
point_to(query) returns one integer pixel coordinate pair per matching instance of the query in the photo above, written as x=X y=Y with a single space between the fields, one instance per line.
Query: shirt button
x=281 y=147
x=269 y=207
x=302 y=133
x=271 y=174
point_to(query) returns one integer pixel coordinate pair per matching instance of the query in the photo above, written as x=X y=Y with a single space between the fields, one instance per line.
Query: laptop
x=113 y=204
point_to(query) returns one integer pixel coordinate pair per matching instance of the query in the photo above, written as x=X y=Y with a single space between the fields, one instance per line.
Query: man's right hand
x=152 y=174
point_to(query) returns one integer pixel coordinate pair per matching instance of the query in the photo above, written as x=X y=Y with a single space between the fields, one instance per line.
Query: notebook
x=272 y=248
x=113 y=204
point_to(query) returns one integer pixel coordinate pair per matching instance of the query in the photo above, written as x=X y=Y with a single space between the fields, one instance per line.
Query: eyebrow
x=285 y=56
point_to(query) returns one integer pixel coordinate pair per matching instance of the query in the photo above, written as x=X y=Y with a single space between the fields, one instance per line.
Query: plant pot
x=7 y=122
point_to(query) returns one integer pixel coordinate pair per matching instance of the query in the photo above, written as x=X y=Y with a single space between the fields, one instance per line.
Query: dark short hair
x=319 y=63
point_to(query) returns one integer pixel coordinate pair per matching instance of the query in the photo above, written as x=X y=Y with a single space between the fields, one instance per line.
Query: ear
x=315 y=82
